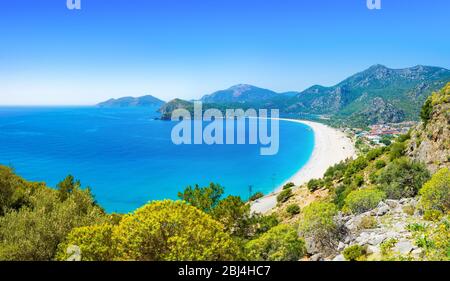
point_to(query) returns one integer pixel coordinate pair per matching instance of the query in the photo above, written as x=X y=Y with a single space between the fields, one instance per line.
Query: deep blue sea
x=128 y=158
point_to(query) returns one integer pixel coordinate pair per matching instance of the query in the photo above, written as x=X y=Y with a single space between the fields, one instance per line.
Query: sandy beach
x=330 y=147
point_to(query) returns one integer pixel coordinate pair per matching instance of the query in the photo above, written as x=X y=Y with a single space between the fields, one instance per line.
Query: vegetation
x=256 y=196
x=315 y=184
x=281 y=243
x=293 y=209
x=34 y=230
x=363 y=200
x=317 y=222
x=435 y=194
x=288 y=185
x=284 y=195
x=402 y=178
x=354 y=252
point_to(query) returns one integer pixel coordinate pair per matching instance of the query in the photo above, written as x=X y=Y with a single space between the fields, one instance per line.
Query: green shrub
x=402 y=178
x=315 y=184
x=284 y=195
x=354 y=252
x=380 y=164
x=387 y=245
x=363 y=200
x=280 y=243
x=397 y=150
x=288 y=185
x=256 y=196
x=374 y=154
x=293 y=209
x=436 y=192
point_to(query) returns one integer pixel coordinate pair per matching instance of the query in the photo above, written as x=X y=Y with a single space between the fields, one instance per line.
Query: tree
x=66 y=186
x=204 y=198
x=34 y=232
x=318 y=224
x=234 y=214
x=280 y=243
x=427 y=109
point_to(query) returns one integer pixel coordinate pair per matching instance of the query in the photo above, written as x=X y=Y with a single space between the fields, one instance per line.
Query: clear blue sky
x=188 y=48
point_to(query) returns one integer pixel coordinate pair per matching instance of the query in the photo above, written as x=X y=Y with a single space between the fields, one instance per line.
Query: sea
x=127 y=158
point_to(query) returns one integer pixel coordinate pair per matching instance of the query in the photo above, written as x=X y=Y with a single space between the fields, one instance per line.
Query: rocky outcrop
x=430 y=140
x=392 y=218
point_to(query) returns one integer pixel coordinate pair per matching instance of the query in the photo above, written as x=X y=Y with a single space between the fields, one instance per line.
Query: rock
x=404 y=247
x=341 y=246
x=339 y=258
x=311 y=247
x=377 y=239
x=392 y=203
x=373 y=250
x=382 y=209
x=316 y=257
x=417 y=253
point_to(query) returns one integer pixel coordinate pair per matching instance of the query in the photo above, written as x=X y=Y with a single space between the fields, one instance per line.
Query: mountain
x=241 y=93
x=376 y=95
x=167 y=109
x=144 y=101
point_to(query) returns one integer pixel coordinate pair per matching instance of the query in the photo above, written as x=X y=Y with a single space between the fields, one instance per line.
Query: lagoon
x=127 y=157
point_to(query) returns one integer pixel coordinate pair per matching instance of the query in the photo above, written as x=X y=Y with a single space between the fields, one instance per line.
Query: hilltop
x=144 y=101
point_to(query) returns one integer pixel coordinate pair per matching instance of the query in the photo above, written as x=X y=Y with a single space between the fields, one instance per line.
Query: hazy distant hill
x=241 y=93
x=144 y=101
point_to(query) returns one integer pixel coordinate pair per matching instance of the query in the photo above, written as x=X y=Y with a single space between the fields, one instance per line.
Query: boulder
x=339 y=258
x=404 y=247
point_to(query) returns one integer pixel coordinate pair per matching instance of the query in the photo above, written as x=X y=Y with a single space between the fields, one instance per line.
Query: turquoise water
x=128 y=159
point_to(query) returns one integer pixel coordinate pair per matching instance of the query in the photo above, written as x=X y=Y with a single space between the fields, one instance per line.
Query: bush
x=363 y=200
x=397 y=150
x=280 y=243
x=436 y=192
x=293 y=209
x=256 y=196
x=368 y=222
x=315 y=184
x=402 y=178
x=387 y=245
x=380 y=164
x=288 y=185
x=317 y=222
x=172 y=230
x=284 y=195
x=432 y=215
x=354 y=252
x=374 y=154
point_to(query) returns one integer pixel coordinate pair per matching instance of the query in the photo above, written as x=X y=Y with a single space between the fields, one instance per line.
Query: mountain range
x=376 y=95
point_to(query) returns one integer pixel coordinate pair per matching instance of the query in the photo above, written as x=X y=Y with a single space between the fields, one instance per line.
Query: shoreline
x=330 y=147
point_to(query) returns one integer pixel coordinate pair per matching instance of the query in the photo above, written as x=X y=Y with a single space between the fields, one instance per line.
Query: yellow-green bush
x=161 y=230
x=436 y=192
x=354 y=252
x=363 y=200
x=281 y=243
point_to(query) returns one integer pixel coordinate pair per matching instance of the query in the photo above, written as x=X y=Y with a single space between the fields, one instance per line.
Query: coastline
x=330 y=147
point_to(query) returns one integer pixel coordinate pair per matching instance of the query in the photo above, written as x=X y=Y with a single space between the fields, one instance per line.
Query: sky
x=50 y=55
